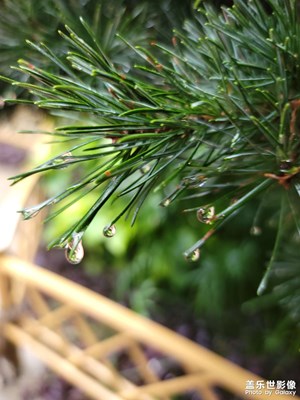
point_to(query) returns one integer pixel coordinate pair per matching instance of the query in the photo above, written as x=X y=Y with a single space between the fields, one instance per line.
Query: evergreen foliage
x=209 y=116
x=40 y=22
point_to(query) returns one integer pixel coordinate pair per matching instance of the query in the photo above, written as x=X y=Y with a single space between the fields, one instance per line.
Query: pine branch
x=210 y=117
x=140 y=22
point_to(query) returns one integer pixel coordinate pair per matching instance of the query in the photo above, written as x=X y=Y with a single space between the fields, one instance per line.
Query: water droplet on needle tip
x=193 y=256
x=74 y=251
x=109 y=231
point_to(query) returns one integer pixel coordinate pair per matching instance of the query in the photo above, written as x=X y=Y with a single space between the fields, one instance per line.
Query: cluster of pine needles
x=210 y=116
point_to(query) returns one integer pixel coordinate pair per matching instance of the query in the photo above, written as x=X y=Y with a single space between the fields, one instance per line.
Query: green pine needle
x=210 y=116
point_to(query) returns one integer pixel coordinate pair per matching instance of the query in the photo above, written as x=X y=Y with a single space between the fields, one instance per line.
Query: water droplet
x=64 y=159
x=74 y=256
x=255 y=230
x=206 y=216
x=145 y=169
x=193 y=256
x=109 y=231
x=165 y=203
x=29 y=213
x=74 y=250
x=52 y=201
x=61 y=161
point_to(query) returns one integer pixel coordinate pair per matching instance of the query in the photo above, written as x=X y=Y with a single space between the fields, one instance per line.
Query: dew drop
x=74 y=251
x=67 y=157
x=109 y=231
x=193 y=256
x=63 y=160
x=52 y=201
x=165 y=203
x=74 y=256
x=145 y=169
x=255 y=230
x=29 y=213
x=206 y=215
